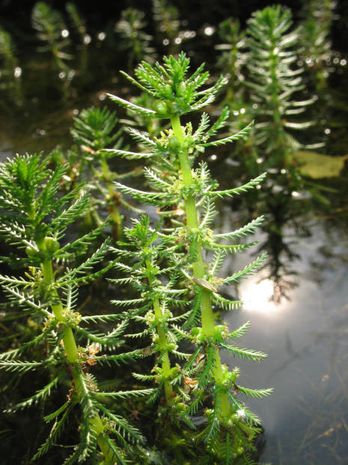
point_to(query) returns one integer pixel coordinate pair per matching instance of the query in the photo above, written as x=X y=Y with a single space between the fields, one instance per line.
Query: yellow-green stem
x=163 y=341
x=72 y=354
x=192 y=219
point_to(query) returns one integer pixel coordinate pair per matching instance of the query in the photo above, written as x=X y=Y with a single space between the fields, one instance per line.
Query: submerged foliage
x=171 y=30
x=77 y=21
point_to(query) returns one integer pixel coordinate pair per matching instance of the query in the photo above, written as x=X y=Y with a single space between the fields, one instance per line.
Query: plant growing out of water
x=171 y=32
x=52 y=32
x=95 y=132
x=8 y=60
x=315 y=31
x=10 y=72
x=147 y=260
x=232 y=58
x=34 y=223
x=139 y=258
x=134 y=38
x=167 y=21
x=185 y=194
x=275 y=80
x=78 y=22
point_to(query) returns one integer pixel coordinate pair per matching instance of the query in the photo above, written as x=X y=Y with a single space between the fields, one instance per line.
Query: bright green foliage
x=185 y=194
x=34 y=222
x=148 y=262
x=96 y=134
x=173 y=92
x=142 y=120
x=134 y=38
x=50 y=25
x=140 y=257
x=95 y=129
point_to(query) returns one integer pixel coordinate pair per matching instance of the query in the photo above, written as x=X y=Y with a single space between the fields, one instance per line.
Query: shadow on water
x=298 y=304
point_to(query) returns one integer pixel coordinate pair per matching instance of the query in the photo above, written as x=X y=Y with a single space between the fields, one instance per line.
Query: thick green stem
x=57 y=308
x=72 y=354
x=199 y=267
x=162 y=340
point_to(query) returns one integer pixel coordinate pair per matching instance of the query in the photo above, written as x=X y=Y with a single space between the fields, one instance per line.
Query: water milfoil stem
x=208 y=319
x=185 y=193
x=72 y=352
x=162 y=338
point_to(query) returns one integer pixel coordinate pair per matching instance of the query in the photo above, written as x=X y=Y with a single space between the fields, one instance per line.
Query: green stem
x=72 y=354
x=69 y=342
x=162 y=339
x=278 y=126
x=199 y=267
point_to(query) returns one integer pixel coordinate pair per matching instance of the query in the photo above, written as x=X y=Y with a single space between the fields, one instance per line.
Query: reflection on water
x=306 y=418
x=257 y=296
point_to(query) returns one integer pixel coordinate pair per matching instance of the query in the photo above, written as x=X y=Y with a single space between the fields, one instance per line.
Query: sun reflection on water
x=258 y=296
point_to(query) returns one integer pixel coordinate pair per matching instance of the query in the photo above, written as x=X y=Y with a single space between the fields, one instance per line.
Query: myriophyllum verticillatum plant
x=185 y=194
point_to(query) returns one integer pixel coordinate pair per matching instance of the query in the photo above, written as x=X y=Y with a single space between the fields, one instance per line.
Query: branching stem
x=162 y=339
x=192 y=218
x=72 y=353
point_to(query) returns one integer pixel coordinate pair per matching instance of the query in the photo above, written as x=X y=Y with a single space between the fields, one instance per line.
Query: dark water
x=306 y=418
x=305 y=331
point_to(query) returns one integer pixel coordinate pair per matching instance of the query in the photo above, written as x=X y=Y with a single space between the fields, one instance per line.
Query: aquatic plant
x=95 y=132
x=10 y=72
x=171 y=31
x=141 y=120
x=275 y=80
x=139 y=258
x=134 y=38
x=315 y=32
x=167 y=21
x=185 y=195
x=7 y=55
x=147 y=261
x=35 y=220
x=77 y=21
x=232 y=57
x=52 y=32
